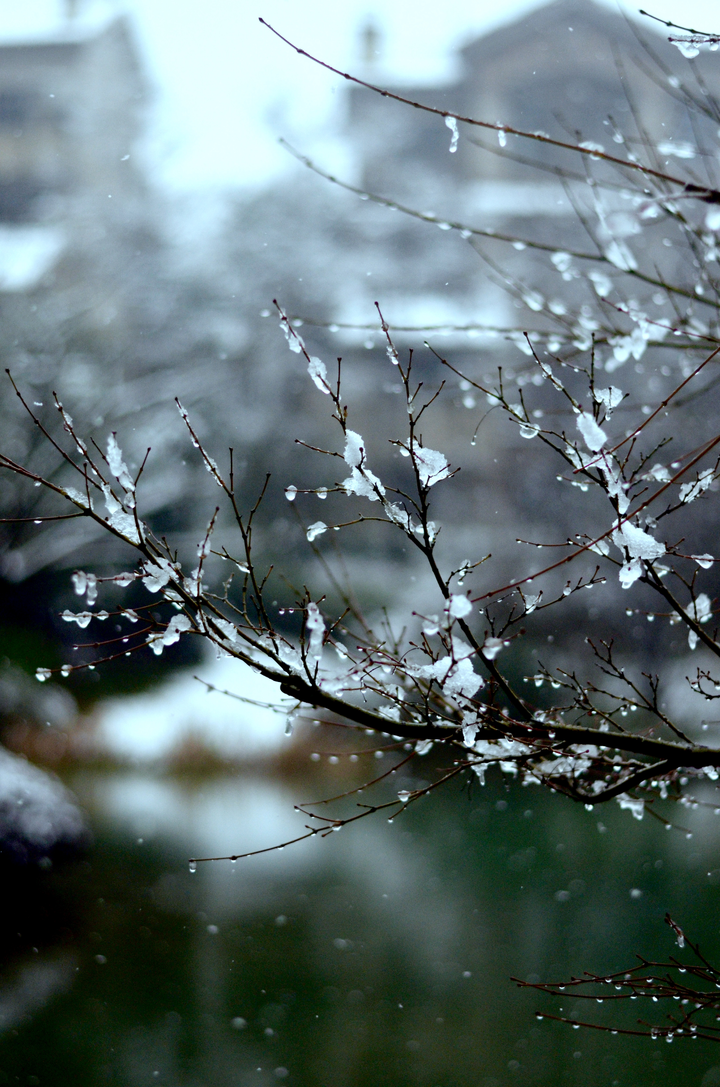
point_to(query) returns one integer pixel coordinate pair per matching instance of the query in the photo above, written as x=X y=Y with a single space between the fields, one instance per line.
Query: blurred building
x=574 y=70
x=70 y=114
x=571 y=69
x=92 y=306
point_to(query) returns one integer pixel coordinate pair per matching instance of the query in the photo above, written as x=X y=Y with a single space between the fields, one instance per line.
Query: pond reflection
x=381 y=955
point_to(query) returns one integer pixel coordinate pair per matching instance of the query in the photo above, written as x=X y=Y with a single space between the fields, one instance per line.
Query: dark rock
x=39 y=817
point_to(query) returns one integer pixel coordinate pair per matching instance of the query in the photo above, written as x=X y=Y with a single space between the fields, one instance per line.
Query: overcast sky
x=226 y=88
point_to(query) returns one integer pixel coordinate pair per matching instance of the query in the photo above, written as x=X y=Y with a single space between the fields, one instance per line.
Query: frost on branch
x=157 y=574
x=75 y=496
x=639 y=546
x=362 y=481
x=610 y=398
x=85 y=584
x=594 y=436
x=318 y=372
x=122 y=521
x=177 y=626
x=315 y=629
x=701 y=612
x=454 y=675
x=636 y=806
x=117 y=465
x=432 y=466
x=354 y=454
x=315 y=530
x=452 y=125
x=690 y=491
x=459 y=607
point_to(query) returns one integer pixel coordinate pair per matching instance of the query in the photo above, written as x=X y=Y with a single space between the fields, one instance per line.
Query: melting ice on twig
x=452 y=125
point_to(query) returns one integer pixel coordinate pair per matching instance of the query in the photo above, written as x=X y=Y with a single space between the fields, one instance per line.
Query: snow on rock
x=38 y=815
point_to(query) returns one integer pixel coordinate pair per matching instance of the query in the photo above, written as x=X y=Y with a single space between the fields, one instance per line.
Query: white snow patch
x=117 y=464
x=637 y=807
x=639 y=544
x=177 y=626
x=595 y=437
x=318 y=372
x=315 y=630
x=452 y=125
x=459 y=607
x=36 y=811
x=354 y=449
x=315 y=530
x=432 y=465
x=150 y=727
